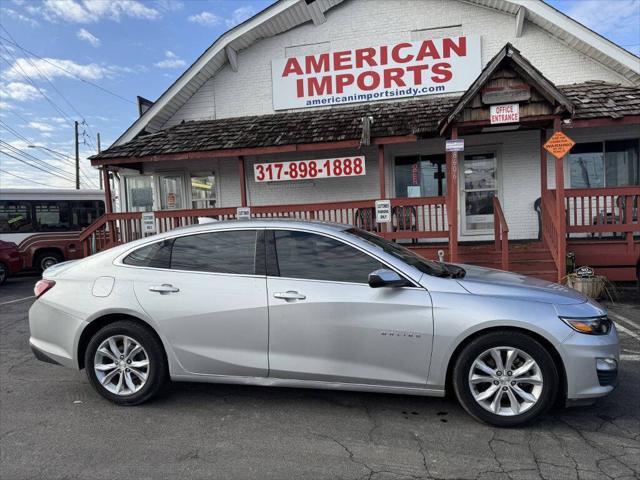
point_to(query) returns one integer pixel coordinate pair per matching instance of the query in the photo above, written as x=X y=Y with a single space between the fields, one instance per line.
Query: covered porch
x=502 y=202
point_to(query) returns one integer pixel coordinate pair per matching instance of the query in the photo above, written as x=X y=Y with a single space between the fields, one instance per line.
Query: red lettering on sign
x=292 y=66
x=417 y=72
x=442 y=72
x=342 y=60
x=365 y=55
x=395 y=53
x=372 y=84
x=320 y=86
x=449 y=45
x=394 y=75
x=427 y=49
x=317 y=64
x=343 y=80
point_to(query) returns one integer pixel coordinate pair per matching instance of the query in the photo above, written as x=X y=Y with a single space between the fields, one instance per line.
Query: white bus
x=45 y=223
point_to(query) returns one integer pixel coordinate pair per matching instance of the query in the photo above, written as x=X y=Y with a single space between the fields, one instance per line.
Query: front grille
x=607 y=377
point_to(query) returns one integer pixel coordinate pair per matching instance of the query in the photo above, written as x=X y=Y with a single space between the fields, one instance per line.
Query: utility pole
x=99 y=150
x=77 y=158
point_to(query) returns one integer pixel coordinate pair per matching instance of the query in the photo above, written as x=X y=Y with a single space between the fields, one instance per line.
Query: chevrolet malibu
x=319 y=305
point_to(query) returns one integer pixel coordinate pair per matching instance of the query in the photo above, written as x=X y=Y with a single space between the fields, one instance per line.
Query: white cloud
x=171 y=60
x=18 y=16
x=169 y=5
x=41 y=126
x=18 y=91
x=606 y=18
x=6 y=106
x=240 y=15
x=207 y=19
x=37 y=68
x=88 y=37
x=91 y=11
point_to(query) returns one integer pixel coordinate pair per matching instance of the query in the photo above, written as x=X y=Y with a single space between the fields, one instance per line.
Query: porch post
x=108 y=199
x=381 y=178
x=108 y=203
x=544 y=176
x=243 y=182
x=560 y=210
x=383 y=190
x=452 y=199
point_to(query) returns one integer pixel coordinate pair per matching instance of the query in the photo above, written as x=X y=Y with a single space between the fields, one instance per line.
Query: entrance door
x=327 y=324
x=172 y=195
x=480 y=185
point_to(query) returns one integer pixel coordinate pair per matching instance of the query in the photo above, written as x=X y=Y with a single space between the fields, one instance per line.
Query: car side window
x=217 y=252
x=156 y=255
x=316 y=257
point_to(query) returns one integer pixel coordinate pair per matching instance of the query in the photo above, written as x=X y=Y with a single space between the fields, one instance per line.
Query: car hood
x=498 y=283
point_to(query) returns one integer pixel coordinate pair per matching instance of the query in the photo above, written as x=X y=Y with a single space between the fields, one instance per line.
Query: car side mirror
x=386 y=278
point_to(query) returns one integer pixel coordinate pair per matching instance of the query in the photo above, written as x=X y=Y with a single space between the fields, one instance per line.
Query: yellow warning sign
x=559 y=145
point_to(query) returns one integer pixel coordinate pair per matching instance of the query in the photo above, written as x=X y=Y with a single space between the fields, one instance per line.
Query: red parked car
x=10 y=260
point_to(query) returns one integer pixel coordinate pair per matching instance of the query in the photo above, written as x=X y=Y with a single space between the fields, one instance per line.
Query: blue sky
x=136 y=47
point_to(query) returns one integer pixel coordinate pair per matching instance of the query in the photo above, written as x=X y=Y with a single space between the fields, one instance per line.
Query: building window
x=203 y=190
x=420 y=176
x=139 y=193
x=604 y=164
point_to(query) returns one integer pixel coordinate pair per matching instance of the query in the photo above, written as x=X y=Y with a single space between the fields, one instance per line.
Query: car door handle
x=290 y=295
x=164 y=288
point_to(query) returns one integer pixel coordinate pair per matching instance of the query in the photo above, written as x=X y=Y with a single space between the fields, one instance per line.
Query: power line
x=34 y=166
x=30 y=157
x=30 y=80
x=88 y=82
x=27 y=179
x=46 y=78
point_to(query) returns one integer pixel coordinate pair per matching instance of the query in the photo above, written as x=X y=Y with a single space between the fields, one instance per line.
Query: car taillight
x=42 y=287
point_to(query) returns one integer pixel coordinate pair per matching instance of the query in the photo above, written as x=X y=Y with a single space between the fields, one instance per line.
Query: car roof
x=315 y=225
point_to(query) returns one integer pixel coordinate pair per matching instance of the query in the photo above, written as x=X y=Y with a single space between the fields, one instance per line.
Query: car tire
x=133 y=389
x=4 y=273
x=45 y=260
x=512 y=395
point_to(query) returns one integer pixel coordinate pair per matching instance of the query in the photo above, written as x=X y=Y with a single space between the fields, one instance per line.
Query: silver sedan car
x=318 y=305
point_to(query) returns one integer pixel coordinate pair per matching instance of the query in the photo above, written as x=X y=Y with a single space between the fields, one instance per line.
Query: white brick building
x=196 y=146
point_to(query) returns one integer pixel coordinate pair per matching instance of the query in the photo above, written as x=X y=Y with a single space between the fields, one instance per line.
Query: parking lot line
x=629 y=357
x=17 y=300
x=620 y=327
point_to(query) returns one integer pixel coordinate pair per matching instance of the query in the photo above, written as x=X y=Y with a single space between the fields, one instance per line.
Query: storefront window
x=203 y=190
x=420 y=176
x=139 y=193
x=604 y=164
x=171 y=192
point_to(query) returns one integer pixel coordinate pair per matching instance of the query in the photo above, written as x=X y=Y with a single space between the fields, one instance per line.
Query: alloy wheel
x=505 y=381
x=121 y=365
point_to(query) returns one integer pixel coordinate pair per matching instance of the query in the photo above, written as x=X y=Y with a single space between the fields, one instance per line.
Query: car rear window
x=218 y=252
x=156 y=255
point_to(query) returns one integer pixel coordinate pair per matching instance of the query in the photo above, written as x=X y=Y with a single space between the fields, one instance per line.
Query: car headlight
x=589 y=325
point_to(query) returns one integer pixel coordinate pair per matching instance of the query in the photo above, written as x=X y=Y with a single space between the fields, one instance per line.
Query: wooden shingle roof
x=414 y=117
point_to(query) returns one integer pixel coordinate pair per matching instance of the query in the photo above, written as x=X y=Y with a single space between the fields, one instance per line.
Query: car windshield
x=430 y=267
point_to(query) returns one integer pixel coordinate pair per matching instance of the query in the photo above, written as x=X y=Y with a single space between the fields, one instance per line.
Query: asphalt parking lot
x=53 y=426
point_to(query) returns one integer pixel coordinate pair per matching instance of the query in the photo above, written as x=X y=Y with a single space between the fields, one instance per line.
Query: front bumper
x=581 y=353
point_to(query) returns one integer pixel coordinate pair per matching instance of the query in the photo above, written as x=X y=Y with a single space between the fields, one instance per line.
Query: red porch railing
x=501 y=233
x=599 y=211
x=412 y=218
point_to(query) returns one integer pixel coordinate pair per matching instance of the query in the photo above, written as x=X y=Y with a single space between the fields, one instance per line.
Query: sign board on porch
x=309 y=169
x=509 y=113
x=376 y=72
x=243 y=213
x=559 y=145
x=148 y=221
x=383 y=211
x=455 y=145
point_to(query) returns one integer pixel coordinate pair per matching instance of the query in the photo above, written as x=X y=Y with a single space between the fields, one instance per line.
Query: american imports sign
x=385 y=72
